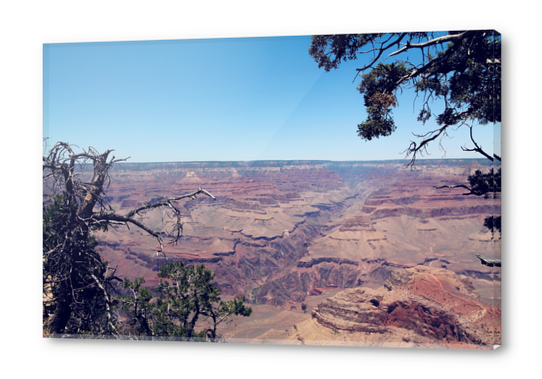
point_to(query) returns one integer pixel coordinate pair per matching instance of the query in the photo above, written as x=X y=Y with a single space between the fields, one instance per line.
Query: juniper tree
x=461 y=69
x=186 y=305
x=76 y=282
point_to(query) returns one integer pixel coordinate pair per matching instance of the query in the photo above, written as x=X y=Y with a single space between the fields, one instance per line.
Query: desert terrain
x=335 y=253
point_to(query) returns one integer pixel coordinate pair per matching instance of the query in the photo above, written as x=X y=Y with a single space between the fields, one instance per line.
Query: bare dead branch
x=421 y=148
x=477 y=148
x=458 y=186
x=435 y=41
x=166 y=202
x=71 y=267
x=107 y=302
x=381 y=51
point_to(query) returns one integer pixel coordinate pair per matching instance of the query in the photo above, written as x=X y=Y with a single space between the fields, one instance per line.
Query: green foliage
x=187 y=305
x=137 y=307
x=467 y=74
x=378 y=88
x=77 y=284
x=72 y=272
x=485 y=184
x=463 y=70
x=330 y=50
x=493 y=223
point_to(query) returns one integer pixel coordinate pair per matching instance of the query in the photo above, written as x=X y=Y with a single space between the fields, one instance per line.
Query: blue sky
x=231 y=99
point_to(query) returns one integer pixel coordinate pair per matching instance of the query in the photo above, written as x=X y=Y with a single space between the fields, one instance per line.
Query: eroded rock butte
x=283 y=234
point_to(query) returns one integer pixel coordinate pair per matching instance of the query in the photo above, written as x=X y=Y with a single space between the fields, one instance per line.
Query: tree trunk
x=60 y=318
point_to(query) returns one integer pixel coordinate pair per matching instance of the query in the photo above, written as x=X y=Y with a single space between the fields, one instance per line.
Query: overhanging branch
x=478 y=149
x=160 y=202
x=433 y=42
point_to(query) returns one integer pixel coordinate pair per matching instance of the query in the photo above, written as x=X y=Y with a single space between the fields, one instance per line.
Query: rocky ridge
x=421 y=306
x=283 y=233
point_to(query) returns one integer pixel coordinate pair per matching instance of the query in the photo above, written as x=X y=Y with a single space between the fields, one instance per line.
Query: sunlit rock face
x=421 y=305
x=284 y=233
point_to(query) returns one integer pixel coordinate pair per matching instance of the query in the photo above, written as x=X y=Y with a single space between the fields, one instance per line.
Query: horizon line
x=311 y=160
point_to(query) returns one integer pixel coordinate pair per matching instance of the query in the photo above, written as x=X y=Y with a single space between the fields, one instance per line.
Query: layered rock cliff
x=421 y=307
x=283 y=233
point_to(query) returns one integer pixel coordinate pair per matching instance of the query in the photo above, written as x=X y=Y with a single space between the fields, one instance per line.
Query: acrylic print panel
x=286 y=190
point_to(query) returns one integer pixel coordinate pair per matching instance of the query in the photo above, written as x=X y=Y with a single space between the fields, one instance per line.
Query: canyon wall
x=281 y=233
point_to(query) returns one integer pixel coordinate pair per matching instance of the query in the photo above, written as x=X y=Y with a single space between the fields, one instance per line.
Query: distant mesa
x=191 y=177
x=329 y=235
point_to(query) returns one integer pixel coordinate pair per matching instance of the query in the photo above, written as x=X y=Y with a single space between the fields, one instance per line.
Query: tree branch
x=72 y=268
x=435 y=41
x=477 y=148
x=421 y=147
x=458 y=186
x=165 y=201
x=381 y=51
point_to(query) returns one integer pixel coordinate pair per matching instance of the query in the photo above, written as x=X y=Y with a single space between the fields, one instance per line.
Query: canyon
x=362 y=253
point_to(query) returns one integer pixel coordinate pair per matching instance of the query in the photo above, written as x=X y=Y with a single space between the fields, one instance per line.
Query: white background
x=26 y=25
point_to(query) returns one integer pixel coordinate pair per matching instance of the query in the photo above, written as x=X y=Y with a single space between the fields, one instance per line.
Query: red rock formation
x=333 y=223
x=428 y=305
